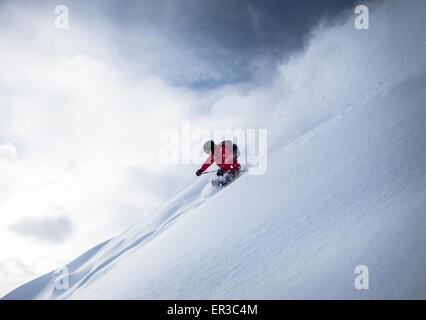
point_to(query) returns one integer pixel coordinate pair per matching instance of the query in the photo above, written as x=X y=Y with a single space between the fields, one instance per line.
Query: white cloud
x=53 y=229
x=7 y=151
x=73 y=119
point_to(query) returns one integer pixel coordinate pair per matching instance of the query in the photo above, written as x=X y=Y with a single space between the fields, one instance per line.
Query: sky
x=81 y=110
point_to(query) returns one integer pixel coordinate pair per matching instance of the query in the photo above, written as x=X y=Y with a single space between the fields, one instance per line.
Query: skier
x=225 y=154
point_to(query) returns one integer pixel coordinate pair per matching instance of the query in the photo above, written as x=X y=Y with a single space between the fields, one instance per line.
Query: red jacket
x=224 y=157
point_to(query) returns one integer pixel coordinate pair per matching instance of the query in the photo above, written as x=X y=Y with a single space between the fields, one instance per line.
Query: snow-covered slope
x=349 y=191
x=325 y=206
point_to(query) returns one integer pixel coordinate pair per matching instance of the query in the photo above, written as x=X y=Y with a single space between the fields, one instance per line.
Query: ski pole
x=217 y=170
x=209 y=171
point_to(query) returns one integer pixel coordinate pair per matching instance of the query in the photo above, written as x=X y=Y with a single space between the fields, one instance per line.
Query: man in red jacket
x=225 y=154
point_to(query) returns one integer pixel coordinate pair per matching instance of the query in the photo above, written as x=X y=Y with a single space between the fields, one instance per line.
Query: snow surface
x=349 y=191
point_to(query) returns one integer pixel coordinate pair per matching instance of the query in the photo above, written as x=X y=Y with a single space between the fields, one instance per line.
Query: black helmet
x=209 y=147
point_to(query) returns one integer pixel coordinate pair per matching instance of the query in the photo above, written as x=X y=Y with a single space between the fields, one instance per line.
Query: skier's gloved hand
x=199 y=172
x=221 y=172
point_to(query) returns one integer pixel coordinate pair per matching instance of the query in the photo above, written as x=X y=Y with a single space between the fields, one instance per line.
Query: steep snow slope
x=351 y=191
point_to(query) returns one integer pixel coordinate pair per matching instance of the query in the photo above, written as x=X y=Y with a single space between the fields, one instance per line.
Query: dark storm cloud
x=232 y=24
x=238 y=39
